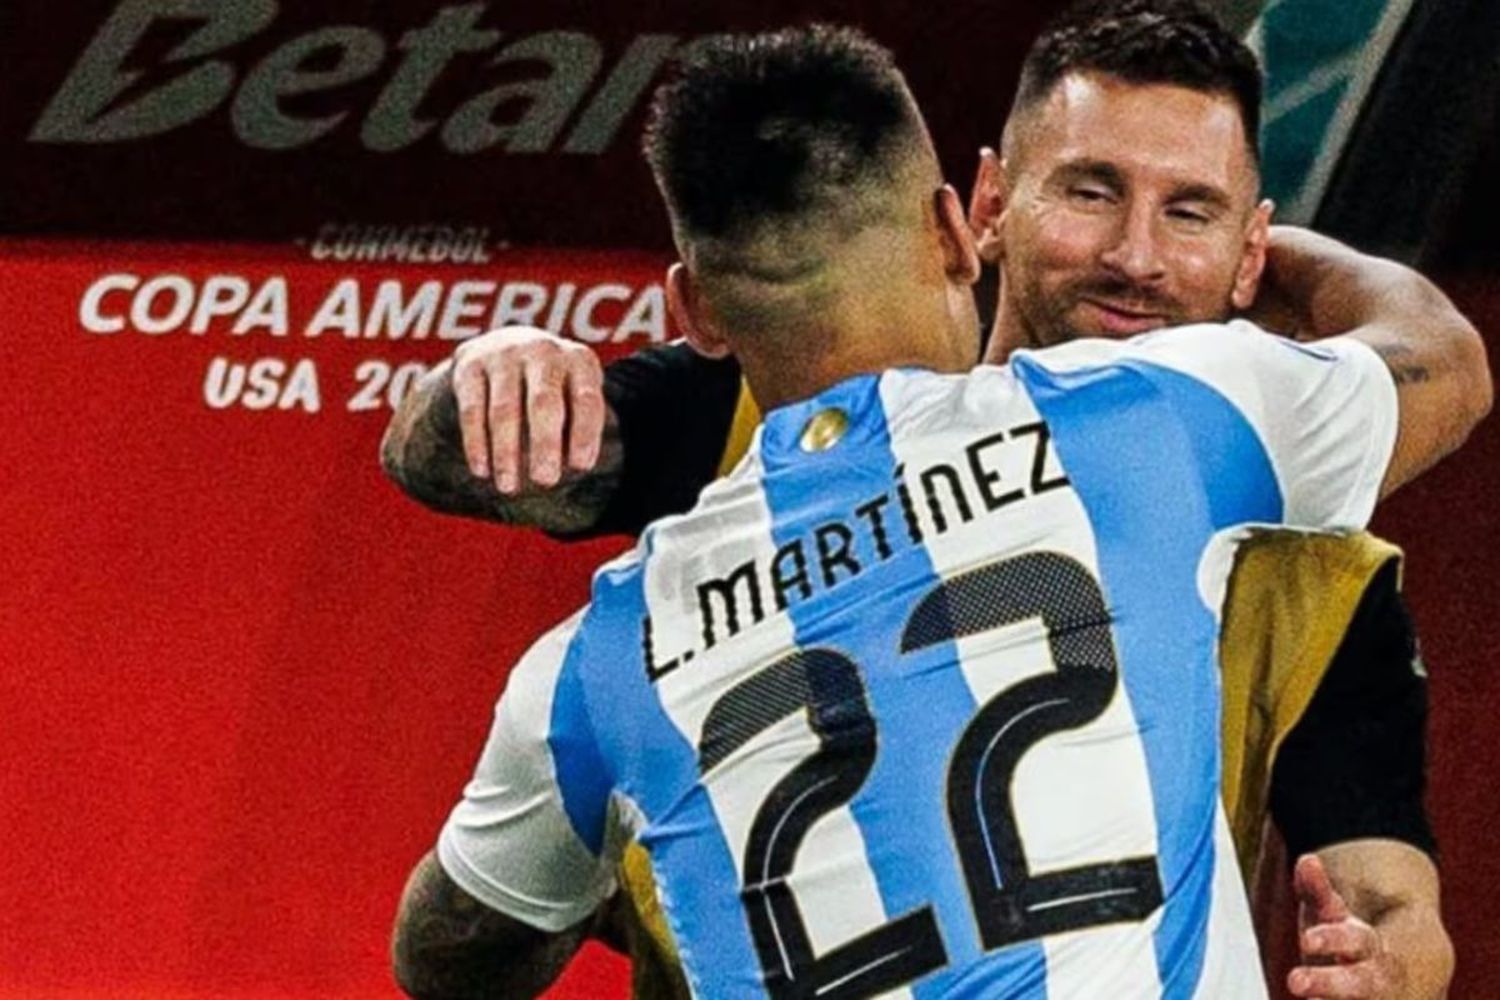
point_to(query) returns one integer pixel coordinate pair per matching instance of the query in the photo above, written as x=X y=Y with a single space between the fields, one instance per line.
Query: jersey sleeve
x=675 y=409
x=528 y=839
x=1354 y=766
x=1325 y=413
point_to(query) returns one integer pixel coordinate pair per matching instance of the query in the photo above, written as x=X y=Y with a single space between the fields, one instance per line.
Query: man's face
x=1126 y=207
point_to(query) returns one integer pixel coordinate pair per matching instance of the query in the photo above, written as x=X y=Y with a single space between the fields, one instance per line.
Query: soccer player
x=1163 y=226
x=921 y=699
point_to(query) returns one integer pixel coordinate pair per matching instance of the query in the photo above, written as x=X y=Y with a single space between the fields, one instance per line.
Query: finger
x=471 y=392
x=504 y=423
x=1333 y=982
x=585 y=412
x=1315 y=891
x=545 y=415
x=1348 y=941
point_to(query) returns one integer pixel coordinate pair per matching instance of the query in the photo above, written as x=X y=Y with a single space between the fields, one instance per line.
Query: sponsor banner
x=244 y=676
x=343 y=322
x=233 y=119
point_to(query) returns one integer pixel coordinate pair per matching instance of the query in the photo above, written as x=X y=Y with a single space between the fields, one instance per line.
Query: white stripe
x=509 y=842
x=1231 y=964
x=1082 y=795
x=832 y=880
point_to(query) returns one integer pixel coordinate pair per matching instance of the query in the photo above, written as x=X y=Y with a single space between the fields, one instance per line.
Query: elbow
x=1429 y=973
x=428 y=968
x=409 y=977
x=1444 y=961
x=1479 y=384
x=414 y=960
x=407 y=965
x=1484 y=388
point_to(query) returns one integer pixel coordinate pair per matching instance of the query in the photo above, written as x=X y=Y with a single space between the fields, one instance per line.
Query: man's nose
x=1134 y=253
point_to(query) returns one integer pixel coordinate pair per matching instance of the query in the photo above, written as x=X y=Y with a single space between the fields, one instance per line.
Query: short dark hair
x=756 y=127
x=1177 y=42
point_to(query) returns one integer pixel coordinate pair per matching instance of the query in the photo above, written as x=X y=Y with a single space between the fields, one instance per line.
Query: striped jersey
x=922 y=699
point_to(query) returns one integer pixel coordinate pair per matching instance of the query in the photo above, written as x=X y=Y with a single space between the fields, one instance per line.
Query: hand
x=522 y=377
x=1343 y=958
x=1277 y=307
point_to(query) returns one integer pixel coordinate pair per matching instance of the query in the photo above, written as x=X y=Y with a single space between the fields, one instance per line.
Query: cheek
x=1063 y=242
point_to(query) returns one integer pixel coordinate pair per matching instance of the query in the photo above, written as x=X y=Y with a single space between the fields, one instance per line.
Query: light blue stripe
x=1161 y=462
x=583 y=778
x=658 y=769
x=920 y=701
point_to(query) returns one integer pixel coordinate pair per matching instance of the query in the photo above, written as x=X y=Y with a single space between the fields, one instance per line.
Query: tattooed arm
x=424 y=452
x=1317 y=287
x=604 y=452
x=447 y=944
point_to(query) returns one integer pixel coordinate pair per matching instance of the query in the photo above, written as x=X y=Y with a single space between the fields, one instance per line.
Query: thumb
x=1320 y=901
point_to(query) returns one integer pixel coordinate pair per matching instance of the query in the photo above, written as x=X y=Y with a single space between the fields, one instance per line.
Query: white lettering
x=584 y=327
x=265 y=383
x=222 y=383
x=560 y=305
x=322 y=248
x=223 y=295
x=89 y=309
x=302 y=389
x=179 y=292
x=460 y=307
x=388 y=312
x=647 y=316
x=339 y=311
x=519 y=304
x=268 y=310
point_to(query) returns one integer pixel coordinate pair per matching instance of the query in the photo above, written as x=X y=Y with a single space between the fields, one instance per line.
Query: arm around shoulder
x=1435 y=356
x=456 y=437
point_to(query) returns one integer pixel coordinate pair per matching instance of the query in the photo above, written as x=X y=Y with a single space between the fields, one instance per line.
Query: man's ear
x=686 y=308
x=960 y=258
x=987 y=206
x=1253 y=262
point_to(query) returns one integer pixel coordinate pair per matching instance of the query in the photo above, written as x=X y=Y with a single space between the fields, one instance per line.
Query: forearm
x=422 y=452
x=1323 y=288
x=1328 y=288
x=449 y=946
x=1319 y=288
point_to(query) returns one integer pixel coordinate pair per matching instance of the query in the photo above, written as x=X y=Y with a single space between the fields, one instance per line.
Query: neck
x=1009 y=331
x=819 y=355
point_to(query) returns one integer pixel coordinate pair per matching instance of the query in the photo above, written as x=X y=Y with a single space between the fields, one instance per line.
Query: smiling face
x=1126 y=207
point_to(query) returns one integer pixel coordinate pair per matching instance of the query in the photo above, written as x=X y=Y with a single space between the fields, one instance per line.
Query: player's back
x=922 y=699
x=939 y=685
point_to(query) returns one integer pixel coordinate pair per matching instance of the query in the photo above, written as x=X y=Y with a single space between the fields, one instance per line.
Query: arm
x=1317 y=287
x=454 y=443
x=1348 y=785
x=462 y=422
x=447 y=944
x=514 y=885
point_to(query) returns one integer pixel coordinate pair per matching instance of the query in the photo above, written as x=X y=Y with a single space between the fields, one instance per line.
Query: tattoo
x=423 y=453
x=447 y=944
x=1404 y=372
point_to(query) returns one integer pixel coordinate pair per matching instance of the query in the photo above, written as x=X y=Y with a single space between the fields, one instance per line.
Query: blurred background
x=243 y=679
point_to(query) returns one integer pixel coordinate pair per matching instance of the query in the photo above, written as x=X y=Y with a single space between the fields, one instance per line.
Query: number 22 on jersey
x=1009 y=903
